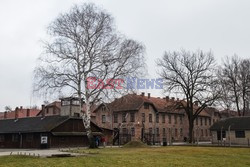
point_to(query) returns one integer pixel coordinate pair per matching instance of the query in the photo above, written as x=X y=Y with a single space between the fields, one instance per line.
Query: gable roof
x=31 y=124
x=236 y=123
x=133 y=102
x=129 y=102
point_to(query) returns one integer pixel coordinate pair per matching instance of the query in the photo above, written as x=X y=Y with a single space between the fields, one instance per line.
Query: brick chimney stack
x=5 y=115
x=149 y=95
x=172 y=98
x=16 y=113
x=28 y=113
x=167 y=98
x=142 y=94
x=196 y=103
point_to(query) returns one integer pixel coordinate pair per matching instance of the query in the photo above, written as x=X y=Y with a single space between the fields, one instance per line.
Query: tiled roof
x=133 y=102
x=128 y=102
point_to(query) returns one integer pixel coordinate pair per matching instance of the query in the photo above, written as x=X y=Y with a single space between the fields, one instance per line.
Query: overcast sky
x=162 y=25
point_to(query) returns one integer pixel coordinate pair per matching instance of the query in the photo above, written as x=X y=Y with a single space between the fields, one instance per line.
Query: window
x=181 y=132
x=115 y=118
x=201 y=121
x=103 y=118
x=65 y=103
x=75 y=102
x=132 y=131
x=29 y=137
x=221 y=133
x=146 y=106
x=143 y=117
x=103 y=108
x=150 y=131
x=164 y=132
x=175 y=119
x=76 y=115
x=196 y=120
x=15 y=137
x=240 y=134
x=206 y=133
x=176 y=133
x=169 y=119
x=124 y=131
x=205 y=121
x=157 y=118
x=157 y=132
x=163 y=118
x=202 y=134
x=123 y=117
x=2 y=138
x=132 y=117
x=150 y=118
x=180 y=119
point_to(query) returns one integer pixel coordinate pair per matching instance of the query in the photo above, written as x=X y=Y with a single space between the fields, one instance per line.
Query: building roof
x=133 y=102
x=34 y=124
x=31 y=124
x=129 y=102
x=236 y=123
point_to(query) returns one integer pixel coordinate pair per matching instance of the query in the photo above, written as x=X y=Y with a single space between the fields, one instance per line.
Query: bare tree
x=192 y=75
x=86 y=56
x=234 y=75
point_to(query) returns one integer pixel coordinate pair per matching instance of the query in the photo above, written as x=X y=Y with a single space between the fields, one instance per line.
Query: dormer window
x=75 y=102
x=65 y=103
x=103 y=118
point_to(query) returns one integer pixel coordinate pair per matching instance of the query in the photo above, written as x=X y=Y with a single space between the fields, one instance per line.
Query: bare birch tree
x=192 y=75
x=85 y=55
x=234 y=75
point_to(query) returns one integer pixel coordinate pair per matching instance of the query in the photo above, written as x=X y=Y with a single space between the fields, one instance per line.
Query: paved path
x=33 y=152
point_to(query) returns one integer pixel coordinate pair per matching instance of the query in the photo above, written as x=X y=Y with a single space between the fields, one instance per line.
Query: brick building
x=151 y=119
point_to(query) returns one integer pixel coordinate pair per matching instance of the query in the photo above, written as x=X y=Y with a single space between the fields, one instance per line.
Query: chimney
x=16 y=113
x=28 y=113
x=178 y=99
x=142 y=94
x=172 y=98
x=149 y=95
x=43 y=111
x=5 y=115
x=167 y=98
x=21 y=107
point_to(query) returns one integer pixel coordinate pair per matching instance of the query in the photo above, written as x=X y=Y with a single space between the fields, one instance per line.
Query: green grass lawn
x=140 y=157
